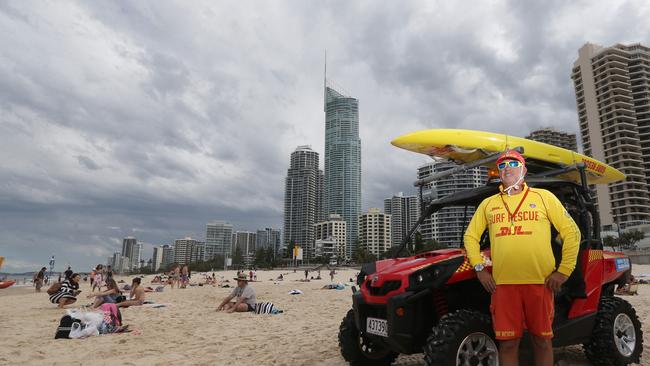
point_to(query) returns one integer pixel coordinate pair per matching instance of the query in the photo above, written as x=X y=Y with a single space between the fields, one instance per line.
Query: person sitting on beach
x=245 y=297
x=106 y=297
x=39 y=279
x=136 y=296
x=67 y=293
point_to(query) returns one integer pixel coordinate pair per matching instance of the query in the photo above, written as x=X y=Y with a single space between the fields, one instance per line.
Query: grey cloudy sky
x=151 y=118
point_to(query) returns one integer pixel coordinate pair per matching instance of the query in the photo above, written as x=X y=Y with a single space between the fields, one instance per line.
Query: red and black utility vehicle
x=432 y=303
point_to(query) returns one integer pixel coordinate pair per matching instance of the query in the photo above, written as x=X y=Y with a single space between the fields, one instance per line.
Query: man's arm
x=570 y=235
x=224 y=302
x=473 y=234
x=240 y=300
x=472 y=243
x=568 y=231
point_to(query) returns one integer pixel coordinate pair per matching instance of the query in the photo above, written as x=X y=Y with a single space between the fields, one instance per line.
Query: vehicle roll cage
x=581 y=192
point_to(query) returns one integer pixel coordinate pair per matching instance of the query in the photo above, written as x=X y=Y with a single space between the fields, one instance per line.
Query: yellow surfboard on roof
x=466 y=146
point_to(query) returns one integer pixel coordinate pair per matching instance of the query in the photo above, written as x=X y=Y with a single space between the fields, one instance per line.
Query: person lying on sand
x=245 y=297
x=137 y=295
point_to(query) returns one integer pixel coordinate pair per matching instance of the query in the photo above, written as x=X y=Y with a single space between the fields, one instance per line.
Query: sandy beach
x=191 y=332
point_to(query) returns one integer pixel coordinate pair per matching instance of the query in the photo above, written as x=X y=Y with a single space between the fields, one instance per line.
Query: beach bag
x=56 y=286
x=65 y=326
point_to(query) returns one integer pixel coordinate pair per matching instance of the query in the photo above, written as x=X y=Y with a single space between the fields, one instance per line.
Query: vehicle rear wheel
x=462 y=338
x=359 y=350
x=617 y=338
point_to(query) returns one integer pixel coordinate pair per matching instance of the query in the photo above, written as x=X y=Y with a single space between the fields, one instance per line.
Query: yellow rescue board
x=465 y=146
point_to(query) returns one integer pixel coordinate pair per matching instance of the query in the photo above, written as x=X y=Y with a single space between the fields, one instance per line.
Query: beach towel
x=155 y=306
x=266 y=307
x=295 y=292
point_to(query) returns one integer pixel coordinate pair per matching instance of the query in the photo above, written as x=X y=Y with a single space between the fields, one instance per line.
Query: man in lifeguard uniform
x=524 y=277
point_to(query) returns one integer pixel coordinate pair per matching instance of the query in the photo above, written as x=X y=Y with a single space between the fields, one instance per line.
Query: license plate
x=377 y=326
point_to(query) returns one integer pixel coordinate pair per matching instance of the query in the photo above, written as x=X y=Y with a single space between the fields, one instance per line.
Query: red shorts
x=518 y=307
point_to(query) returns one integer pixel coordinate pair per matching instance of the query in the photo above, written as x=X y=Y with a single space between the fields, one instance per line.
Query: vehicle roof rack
x=463 y=167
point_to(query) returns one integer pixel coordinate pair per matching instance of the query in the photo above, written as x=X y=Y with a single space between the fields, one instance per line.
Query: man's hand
x=555 y=281
x=487 y=281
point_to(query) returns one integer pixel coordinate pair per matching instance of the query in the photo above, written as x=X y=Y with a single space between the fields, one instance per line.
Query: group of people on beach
x=65 y=292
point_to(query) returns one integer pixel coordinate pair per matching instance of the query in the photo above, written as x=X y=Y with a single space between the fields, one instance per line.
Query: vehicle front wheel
x=359 y=350
x=617 y=338
x=464 y=337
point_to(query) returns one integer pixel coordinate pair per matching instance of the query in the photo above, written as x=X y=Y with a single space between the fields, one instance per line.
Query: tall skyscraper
x=343 y=161
x=550 y=136
x=269 y=238
x=198 y=252
x=218 y=239
x=404 y=212
x=374 y=231
x=137 y=256
x=448 y=225
x=184 y=248
x=157 y=258
x=300 y=199
x=167 y=255
x=613 y=99
x=245 y=241
x=129 y=249
x=332 y=230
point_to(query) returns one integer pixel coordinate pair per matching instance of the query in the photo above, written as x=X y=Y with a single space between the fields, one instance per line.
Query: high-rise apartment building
x=137 y=260
x=245 y=241
x=374 y=231
x=553 y=137
x=613 y=99
x=301 y=199
x=269 y=238
x=404 y=212
x=183 y=250
x=198 y=252
x=129 y=250
x=218 y=239
x=334 y=230
x=167 y=255
x=343 y=161
x=448 y=225
x=157 y=258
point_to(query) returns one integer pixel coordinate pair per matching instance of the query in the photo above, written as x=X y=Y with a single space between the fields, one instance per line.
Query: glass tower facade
x=343 y=162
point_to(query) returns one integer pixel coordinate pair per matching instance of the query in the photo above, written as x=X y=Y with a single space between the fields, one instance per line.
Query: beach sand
x=191 y=332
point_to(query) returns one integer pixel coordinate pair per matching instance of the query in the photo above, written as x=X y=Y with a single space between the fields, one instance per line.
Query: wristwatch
x=479 y=267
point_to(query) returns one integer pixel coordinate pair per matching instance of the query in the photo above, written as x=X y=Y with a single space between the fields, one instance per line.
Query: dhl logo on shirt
x=512 y=230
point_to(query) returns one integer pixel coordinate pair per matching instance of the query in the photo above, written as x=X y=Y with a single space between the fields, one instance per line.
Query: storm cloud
x=153 y=118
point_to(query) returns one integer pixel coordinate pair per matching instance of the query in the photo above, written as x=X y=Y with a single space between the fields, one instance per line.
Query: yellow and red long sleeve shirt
x=520 y=248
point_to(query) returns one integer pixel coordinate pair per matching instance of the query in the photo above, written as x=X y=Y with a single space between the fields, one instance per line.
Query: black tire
x=602 y=349
x=457 y=332
x=357 y=349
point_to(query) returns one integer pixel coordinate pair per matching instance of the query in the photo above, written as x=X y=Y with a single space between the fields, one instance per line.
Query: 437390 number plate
x=377 y=326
